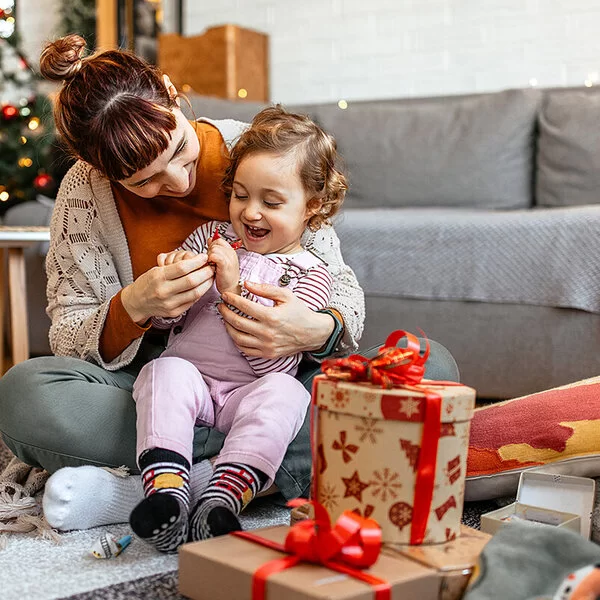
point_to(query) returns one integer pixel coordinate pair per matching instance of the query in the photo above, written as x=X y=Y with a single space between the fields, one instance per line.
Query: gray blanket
x=546 y=257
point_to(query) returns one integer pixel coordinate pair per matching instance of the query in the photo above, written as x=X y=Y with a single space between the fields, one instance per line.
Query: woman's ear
x=172 y=90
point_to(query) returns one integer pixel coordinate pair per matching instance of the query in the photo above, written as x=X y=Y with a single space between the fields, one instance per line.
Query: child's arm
x=314 y=289
x=194 y=244
x=227 y=266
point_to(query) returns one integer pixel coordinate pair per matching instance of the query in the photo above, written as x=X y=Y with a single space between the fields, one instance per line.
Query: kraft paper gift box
x=454 y=561
x=223 y=568
x=373 y=458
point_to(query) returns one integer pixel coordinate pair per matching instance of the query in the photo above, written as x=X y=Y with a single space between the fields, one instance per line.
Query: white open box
x=559 y=500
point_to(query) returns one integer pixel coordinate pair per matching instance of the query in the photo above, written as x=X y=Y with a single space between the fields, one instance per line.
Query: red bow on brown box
x=352 y=544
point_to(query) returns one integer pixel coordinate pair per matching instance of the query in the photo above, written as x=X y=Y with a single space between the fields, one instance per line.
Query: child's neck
x=294 y=250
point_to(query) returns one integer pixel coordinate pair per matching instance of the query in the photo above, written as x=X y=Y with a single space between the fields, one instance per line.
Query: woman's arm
x=290 y=326
x=83 y=275
x=347 y=297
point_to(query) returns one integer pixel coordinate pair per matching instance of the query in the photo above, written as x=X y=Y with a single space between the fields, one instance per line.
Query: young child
x=282 y=179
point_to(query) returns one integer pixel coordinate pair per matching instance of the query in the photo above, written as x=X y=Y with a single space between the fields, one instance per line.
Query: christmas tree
x=26 y=125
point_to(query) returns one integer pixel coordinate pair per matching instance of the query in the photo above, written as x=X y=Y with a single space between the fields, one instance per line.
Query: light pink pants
x=203 y=378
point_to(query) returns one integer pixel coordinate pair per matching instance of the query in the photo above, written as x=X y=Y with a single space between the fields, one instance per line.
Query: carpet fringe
x=21 y=489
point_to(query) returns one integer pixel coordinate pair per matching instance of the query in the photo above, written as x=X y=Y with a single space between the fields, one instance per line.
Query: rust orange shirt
x=161 y=224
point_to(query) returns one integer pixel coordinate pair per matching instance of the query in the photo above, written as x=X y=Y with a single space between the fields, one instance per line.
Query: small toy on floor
x=108 y=546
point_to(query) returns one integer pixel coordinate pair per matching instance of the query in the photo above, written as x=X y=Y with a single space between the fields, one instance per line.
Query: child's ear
x=172 y=90
x=313 y=206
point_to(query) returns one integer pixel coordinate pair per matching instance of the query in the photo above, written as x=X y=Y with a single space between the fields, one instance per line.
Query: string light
x=23 y=139
x=242 y=93
x=33 y=124
x=25 y=162
x=4 y=196
x=25 y=111
x=343 y=104
x=533 y=82
x=591 y=79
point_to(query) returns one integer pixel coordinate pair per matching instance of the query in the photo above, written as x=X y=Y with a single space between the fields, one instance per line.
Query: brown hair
x=276 y=130
x=113 y=110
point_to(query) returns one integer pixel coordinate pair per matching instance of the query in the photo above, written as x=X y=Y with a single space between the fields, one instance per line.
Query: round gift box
x=367 y=450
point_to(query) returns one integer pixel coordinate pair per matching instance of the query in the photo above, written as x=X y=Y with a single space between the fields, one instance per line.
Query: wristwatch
x=334 y=339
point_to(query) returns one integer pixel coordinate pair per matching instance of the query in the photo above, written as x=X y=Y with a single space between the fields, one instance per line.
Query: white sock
x=85 y=497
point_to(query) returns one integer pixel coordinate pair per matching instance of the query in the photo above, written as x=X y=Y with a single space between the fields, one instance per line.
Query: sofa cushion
x=474 y=151
x=544 y=257
x=219 y=108
x=568 y=160
x=554 y=431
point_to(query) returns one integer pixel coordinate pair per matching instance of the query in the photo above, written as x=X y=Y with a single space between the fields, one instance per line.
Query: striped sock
x=161 y=519
x=229 y=491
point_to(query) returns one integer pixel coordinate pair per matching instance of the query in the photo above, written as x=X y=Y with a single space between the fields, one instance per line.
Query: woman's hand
x=169 y=290
x=287 y=328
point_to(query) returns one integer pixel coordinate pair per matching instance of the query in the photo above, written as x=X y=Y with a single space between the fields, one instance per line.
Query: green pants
x=58 y=411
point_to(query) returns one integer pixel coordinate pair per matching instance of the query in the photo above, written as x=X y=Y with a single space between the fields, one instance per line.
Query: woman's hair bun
x=60 y=60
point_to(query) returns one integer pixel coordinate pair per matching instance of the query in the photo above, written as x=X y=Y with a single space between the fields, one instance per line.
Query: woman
x=146 y=177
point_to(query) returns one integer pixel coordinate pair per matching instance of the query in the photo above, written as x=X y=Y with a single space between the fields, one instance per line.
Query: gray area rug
x=65 y=570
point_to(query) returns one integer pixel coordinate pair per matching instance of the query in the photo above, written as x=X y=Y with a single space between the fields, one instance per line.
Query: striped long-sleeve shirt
x=309 y=280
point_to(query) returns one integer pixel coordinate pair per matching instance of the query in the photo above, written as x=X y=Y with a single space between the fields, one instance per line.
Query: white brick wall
x=324 y=50
x=38 y=22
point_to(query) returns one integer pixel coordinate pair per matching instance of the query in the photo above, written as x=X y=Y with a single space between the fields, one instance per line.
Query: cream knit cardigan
x=88 y=262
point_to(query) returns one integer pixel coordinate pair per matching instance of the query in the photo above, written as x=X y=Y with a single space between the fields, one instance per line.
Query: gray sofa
x=474 y=219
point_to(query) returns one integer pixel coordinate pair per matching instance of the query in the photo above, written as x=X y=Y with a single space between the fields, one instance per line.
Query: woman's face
x=268 y=205
x=173 y=173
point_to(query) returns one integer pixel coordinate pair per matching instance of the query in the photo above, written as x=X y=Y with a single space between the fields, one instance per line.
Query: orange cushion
x=556 y=431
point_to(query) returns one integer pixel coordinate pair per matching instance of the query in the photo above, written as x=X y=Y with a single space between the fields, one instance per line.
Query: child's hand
x=225 y=259
x=168 y=258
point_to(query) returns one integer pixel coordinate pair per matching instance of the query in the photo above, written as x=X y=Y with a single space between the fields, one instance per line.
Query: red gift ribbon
x=402 y=368
x=353 y=543
x=391 y=367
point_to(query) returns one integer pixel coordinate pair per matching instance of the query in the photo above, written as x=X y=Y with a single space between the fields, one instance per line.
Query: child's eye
x=240 y=197
x=272 y=204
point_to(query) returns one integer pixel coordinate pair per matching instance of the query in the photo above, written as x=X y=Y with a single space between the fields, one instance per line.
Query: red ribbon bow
x=353 y=543
x=392 y=365
x=398 y=367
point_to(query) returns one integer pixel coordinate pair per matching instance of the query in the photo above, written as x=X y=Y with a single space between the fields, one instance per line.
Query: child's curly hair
x=276 y=130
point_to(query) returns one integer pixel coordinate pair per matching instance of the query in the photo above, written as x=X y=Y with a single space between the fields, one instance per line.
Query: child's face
x=268 y=206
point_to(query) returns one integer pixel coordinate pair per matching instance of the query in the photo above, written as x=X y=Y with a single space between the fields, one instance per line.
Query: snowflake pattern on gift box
x=346 y=449
x=400 y=514
x=328 y=496
x=354 y=486
x=410 y=407
x=384 y=484
x=340 y=398
x=368 y=429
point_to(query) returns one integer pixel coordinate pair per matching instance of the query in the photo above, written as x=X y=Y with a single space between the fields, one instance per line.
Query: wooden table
x=13 y=241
